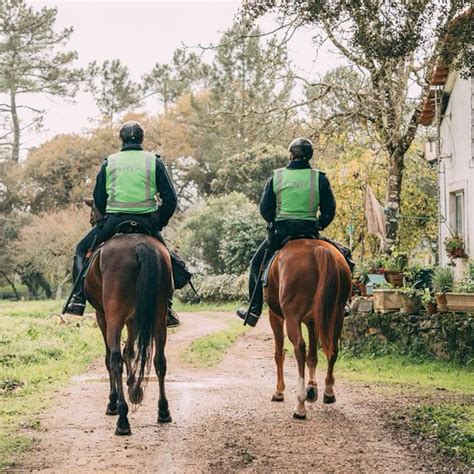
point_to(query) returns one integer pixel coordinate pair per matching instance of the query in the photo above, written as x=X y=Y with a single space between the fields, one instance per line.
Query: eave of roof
x=428 y=111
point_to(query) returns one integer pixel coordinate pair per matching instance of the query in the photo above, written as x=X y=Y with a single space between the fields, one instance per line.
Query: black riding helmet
x=131 y=132
x=301 y=148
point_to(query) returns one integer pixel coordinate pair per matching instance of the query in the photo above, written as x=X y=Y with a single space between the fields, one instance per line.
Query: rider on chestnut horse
x=290 y=203
x=125 y=190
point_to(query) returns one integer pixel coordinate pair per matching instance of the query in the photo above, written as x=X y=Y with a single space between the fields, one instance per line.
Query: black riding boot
x=77 y=305
x=252 y=315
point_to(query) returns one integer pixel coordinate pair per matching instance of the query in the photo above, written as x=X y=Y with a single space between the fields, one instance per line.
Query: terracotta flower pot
x=430 y=308
x=394 y=278
x=442 y=302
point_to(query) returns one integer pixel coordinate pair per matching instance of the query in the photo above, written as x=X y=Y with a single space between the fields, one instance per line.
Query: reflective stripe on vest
x=131 y=182
x=297 y=193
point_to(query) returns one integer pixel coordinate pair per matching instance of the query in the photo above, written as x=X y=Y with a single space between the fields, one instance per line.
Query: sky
x=140 y=34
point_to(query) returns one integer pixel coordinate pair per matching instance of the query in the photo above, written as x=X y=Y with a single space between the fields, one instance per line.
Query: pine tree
x=32 y=60
x=112 y=88
x=170 y=81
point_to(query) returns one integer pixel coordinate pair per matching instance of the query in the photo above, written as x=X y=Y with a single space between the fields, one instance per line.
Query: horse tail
x=327 y=301
x=148 y=282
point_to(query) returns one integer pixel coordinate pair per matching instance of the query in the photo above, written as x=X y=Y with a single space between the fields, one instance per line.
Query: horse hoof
x=164 y=418
x=278 y=398
x=123 y=431
x=297 y=416
x=311 y=394
x=111 y=411
x=329 y=399
x=135 y=395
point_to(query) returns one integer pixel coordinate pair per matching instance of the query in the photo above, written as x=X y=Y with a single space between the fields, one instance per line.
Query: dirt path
x=223 y=420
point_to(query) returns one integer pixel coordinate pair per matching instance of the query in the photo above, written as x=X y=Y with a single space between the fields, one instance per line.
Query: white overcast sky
x=141 y=33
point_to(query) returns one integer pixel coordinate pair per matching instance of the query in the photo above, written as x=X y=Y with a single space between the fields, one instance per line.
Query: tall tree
x=32 y=60
x=394 y=46
x=112 y=88
x=170 y=81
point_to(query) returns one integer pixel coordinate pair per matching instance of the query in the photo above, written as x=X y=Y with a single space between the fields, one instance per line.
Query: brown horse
x=128 y=283
x=309 y=282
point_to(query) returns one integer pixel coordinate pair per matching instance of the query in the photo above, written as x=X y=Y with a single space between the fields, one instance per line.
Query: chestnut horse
x=128 y=283
x=309 y=282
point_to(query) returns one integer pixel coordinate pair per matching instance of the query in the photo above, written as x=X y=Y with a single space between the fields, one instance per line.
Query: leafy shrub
x=216 y=289
x=221 y=236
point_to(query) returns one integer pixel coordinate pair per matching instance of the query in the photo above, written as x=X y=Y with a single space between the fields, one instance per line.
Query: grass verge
x=209 y=350
x=452 y=426
x=37 y=356
x=409 y=372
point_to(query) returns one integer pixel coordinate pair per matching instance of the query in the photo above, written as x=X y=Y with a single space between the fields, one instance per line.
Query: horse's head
x=95 y=214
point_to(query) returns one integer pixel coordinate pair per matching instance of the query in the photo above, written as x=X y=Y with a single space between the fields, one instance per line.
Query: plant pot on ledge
x=431 y=308
x=386 y=300
x=395 y=278
x=460 y=302
x=442 y=302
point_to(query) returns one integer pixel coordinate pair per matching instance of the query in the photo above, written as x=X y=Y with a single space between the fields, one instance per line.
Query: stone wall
x=448 y=336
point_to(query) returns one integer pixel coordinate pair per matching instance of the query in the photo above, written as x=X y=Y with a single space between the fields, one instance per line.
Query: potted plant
x=454 y=246
x=429 y=301
x=442 y=281
x=410 y=300
x=386 y=299
x=394 y=266
x=377 y=266
x=463 y=299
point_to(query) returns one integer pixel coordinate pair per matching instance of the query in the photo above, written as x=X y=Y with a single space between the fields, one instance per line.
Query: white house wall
x=457 y=165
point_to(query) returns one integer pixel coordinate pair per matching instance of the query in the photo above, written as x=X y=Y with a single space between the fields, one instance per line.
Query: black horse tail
x=148 y=282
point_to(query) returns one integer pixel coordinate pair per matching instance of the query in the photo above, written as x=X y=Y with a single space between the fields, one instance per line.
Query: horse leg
x=112 y=405
x=294 y=334
x=329 y=396
x=128 y=355
x=159 y=362
x=116 y=365
x=312 y=361
x=277 y=327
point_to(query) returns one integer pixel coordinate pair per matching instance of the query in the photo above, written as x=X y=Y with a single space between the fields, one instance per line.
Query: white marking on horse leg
x=329 y=390
x=300 y=409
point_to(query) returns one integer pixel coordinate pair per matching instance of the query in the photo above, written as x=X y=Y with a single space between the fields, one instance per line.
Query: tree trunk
x=10 y=282
x=16 y=127
x=393 y=198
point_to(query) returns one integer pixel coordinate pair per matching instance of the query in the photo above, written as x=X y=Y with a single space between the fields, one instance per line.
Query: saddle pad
x=266 y=272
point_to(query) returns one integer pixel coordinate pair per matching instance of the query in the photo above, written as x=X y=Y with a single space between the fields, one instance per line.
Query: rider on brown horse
x=125 y=190
x=290 y=203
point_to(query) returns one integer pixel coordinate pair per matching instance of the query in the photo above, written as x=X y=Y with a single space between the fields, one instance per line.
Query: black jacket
x=327 y=201
x=163 y=183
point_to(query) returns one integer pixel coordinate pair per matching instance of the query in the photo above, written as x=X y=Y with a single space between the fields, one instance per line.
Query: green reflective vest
x=131 y=182
x=297 y=193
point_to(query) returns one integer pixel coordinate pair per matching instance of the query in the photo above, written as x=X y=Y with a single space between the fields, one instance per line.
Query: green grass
x=33 y=309
x=451 y=425
x=209 y=350
x=37 y=356
x=395 y=369
x=412 y=374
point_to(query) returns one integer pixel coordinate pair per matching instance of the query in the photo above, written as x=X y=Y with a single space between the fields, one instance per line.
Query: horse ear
x=89 y=202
